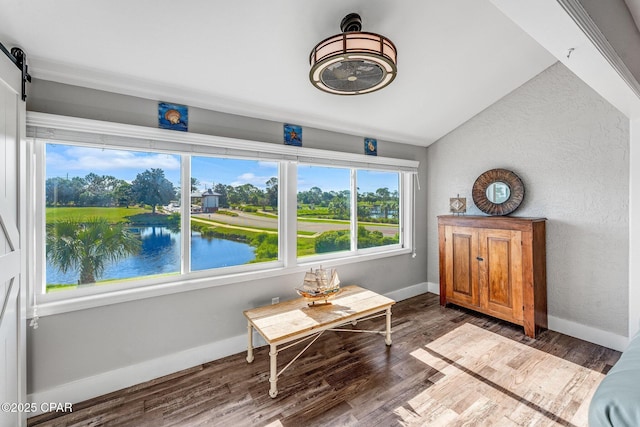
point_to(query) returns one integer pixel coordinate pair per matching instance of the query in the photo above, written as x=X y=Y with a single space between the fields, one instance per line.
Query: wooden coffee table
x=295 y=322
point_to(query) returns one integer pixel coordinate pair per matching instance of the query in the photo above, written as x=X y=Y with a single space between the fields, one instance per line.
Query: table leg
x=250 y=343
x=273 y=379
x=387 y=338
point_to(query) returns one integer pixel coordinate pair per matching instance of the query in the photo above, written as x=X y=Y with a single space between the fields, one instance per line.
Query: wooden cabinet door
x=461 y=248
x=500 y=273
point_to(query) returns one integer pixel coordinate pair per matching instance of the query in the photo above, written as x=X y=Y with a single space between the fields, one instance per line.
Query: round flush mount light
x=354 y=62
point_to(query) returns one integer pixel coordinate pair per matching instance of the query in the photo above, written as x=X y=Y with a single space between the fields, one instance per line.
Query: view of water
x=160 y=254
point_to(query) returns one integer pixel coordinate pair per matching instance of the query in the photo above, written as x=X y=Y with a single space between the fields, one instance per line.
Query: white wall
x=571 y=149
x=73 y=354
x=634 y=230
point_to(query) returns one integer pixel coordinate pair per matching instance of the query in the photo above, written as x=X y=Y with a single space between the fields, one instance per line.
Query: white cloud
x=267 y=164
x=251 y=178
x=83 y=158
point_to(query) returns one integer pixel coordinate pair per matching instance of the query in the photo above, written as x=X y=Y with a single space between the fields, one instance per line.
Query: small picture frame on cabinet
x=458 y=205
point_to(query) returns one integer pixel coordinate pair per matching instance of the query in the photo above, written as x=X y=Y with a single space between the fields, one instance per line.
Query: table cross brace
x=315 y=337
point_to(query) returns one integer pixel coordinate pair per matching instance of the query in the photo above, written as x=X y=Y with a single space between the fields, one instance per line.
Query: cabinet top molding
x=507 y=222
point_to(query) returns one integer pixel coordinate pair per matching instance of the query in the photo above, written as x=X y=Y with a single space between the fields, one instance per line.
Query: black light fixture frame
x=19 y=58
x=371 y=47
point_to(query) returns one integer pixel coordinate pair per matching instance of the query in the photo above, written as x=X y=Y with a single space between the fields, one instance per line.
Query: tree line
x=382 y=203
x=152 y=188
x=245 y=194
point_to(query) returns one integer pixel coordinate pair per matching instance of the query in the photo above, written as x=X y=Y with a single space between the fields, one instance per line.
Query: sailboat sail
x=320 y=284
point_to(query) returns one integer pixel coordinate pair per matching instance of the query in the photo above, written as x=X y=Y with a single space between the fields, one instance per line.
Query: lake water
x=160 y=254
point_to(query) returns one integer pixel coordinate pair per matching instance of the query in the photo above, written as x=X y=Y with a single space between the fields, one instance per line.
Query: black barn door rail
x=18 y=57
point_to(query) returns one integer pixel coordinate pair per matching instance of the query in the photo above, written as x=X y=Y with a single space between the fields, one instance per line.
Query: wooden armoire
x=495 y=265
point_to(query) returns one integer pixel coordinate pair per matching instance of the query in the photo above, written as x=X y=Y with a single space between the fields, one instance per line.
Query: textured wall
x=84 y=343
x=571 y=149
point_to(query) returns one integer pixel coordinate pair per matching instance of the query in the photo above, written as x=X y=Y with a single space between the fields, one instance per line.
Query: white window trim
x=72 y=129
x=116 y=135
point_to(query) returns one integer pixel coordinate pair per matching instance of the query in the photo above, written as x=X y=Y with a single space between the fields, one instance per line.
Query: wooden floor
x=447 y=367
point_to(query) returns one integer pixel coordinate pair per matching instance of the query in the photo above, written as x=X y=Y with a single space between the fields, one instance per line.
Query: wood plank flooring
x=446 y=367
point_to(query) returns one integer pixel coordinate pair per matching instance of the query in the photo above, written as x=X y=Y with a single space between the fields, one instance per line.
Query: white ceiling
x=634 y=9
x=251 y=57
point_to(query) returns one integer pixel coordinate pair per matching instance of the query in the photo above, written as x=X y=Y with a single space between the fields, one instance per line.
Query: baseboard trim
x=588 y=333
x=117 y=379
x=408 y=292
x=434 y=288
x=573 y=329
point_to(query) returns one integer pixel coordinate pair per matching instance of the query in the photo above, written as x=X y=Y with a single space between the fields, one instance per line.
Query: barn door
x=12 y=292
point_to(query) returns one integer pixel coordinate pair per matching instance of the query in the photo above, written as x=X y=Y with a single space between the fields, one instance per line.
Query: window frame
x=353 y=216
x=93 y=133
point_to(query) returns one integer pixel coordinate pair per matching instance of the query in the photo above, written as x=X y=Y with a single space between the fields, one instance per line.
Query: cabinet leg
x=530 y=330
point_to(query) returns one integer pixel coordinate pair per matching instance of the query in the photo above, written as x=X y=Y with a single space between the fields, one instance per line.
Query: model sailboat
x=319 y=286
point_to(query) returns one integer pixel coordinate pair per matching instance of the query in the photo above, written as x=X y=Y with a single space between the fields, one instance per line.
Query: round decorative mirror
x=498 y=192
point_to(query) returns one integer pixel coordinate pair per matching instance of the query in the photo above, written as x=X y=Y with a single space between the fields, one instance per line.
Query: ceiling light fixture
x=354 y=62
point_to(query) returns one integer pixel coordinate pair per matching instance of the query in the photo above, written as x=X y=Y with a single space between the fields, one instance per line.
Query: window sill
x=190 y=284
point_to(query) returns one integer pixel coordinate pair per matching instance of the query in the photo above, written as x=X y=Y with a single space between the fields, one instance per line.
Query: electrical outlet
x=275 y=300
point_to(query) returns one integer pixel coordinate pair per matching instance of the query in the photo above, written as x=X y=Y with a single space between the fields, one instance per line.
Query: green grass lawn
x=306 y=247
x=248 y=228
x=265 y=214
x=113 y=215
x=228 y=213
x=323 y=220
x=52 y=287
x=378 y=224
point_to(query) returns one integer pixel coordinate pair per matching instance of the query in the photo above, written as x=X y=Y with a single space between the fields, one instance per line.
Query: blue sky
x=70 y=161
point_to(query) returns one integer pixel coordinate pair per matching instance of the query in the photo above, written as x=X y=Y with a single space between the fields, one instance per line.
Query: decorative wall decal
x=173 y=116
x=293 y=135
x=370 y=147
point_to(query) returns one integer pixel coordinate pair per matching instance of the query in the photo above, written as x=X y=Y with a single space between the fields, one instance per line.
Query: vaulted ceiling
x=251 y=57
x=634 y=9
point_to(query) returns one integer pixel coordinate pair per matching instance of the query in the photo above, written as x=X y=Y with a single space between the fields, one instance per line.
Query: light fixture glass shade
x=353 y=63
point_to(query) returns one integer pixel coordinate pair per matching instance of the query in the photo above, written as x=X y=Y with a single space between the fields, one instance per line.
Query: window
x=323 y=210
x=234 y=212
x=146 y=211
x=111 y=215
x=378 y=208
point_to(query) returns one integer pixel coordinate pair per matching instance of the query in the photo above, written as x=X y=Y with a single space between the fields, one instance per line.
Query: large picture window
x=323 y=210
x=122 y=212
x=234 y=212
x=110 y=215
x=378 y=208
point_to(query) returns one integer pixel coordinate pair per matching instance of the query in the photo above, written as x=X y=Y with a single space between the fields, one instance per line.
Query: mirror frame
x=479 y=192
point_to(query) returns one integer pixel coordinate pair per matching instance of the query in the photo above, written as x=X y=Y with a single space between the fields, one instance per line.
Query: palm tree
x=88 y=246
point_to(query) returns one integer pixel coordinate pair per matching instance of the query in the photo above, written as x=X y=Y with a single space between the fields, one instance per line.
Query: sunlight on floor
x=487 y=379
